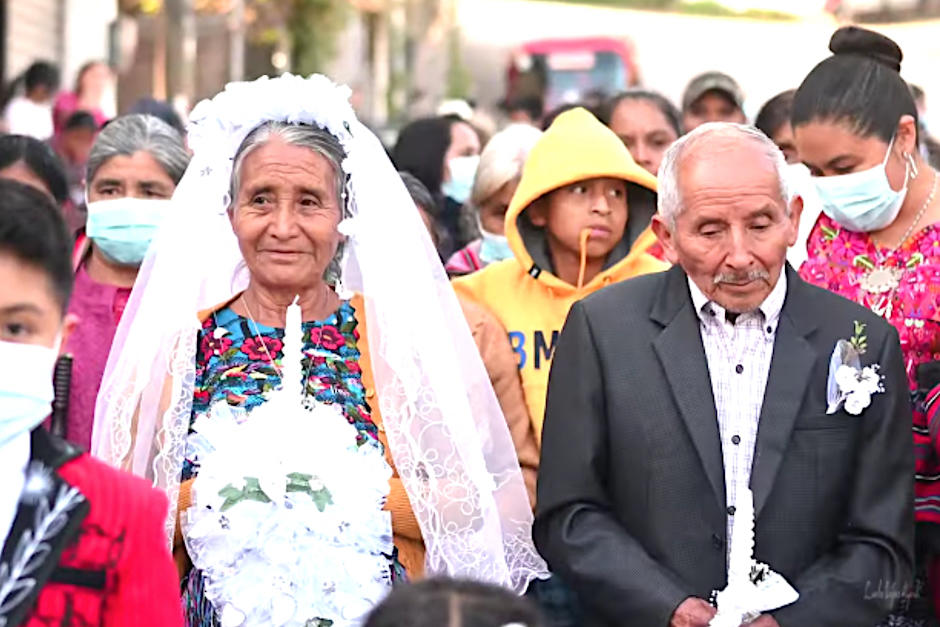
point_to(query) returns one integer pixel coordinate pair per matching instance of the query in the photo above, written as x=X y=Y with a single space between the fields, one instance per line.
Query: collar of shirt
x=770 y=308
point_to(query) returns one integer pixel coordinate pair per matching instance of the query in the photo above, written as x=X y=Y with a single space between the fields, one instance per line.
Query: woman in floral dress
x=878 y=243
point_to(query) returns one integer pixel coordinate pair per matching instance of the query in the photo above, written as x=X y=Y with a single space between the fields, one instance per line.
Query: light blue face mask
x=462 y=172
x=863 y=201
x=26 y=390
x=123 y=228
x=493 y=247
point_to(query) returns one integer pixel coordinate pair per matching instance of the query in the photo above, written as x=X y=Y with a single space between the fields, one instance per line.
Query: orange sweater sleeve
x=500 y=363
x=405 y=526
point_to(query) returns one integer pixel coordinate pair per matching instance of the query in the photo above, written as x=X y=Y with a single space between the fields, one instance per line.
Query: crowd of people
x=620 y=363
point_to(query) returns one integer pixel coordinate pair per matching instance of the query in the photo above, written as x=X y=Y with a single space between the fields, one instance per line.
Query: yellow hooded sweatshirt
x=530 y=301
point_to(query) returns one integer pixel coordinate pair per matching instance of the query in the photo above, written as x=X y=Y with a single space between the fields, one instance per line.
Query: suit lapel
x=48 y=518
x=790 y=369
x=682 y=355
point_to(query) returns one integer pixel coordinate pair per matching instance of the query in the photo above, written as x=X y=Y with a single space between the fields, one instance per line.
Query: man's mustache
x=741 y=277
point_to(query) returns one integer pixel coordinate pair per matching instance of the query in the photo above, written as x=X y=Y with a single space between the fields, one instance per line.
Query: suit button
x=736 y=439
x=717 y=542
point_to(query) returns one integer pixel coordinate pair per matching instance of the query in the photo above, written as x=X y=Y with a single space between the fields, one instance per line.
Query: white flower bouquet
x=287 y=524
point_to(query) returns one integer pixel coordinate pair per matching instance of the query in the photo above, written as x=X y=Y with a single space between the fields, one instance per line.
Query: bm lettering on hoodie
x=540 y=349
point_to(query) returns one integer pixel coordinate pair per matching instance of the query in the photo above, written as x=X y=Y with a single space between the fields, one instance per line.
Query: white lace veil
x=447 y=434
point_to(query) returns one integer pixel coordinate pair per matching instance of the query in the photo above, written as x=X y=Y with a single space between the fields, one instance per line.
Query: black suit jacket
x=631 y=497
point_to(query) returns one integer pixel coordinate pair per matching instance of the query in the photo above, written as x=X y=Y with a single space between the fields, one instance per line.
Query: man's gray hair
x=314 y=138
x=125 y=135
x=670 y=199
x=309 y=136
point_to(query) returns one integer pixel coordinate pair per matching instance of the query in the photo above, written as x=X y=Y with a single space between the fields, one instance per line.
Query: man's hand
x=693 y=613
x=764 y=620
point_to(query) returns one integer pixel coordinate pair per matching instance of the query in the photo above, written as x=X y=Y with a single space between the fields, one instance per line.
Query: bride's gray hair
x=309 y=136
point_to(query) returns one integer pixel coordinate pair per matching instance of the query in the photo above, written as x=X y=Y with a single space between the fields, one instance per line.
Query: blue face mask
x=493 y=247
x=123 y=228
x=462 y=172
x=26 y=390
x=862 y=201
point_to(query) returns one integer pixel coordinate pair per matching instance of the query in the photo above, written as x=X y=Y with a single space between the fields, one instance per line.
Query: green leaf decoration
x=863 y=261
x=251 y=492
x=322 y=498
x=859 y=340
x=829 y=233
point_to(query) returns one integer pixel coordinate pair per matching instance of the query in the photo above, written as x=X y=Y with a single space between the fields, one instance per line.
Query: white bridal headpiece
x=447 y=434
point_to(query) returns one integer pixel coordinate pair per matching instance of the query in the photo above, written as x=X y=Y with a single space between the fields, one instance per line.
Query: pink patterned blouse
x=839 y=261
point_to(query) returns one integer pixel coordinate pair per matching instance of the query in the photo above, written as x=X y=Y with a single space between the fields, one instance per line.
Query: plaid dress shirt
x=739 y=355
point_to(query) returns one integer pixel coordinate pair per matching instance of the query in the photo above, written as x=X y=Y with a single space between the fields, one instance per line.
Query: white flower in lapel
x=851 y=385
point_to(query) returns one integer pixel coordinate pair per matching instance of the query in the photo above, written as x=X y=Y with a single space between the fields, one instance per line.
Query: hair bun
x=867 y=43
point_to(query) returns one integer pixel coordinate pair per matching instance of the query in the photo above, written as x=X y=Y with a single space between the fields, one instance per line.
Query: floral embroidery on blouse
x=233 y=363
x=838 y=259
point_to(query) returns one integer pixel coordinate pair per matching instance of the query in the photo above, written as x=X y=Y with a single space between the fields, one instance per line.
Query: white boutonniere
x=851 y=385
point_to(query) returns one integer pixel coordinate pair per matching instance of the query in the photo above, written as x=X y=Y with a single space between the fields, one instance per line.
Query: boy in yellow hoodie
x=578 y=221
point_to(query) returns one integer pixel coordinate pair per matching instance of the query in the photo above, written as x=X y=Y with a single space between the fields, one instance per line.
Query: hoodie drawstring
x=585 y=234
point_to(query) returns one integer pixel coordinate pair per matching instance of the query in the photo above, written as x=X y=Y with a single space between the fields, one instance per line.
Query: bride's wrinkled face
x=285 y=215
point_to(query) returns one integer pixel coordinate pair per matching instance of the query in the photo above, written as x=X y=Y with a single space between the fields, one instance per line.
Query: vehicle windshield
x=572 y=75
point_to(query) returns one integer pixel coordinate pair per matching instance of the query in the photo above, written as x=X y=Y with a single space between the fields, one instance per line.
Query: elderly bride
x=320 y=445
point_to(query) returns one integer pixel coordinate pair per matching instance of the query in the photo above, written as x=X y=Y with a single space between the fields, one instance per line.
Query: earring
x=911 y=164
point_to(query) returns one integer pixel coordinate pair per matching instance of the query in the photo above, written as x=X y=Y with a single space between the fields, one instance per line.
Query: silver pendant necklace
x=884 y=279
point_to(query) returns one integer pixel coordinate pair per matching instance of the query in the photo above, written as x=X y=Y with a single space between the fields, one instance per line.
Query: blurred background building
x=405 y=57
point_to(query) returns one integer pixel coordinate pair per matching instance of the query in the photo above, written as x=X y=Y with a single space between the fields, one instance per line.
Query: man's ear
x=796 y=210
x=69 y=323
x=666 y=238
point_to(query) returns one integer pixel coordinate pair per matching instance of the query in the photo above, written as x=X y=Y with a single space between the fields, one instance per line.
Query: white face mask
x=26 y=388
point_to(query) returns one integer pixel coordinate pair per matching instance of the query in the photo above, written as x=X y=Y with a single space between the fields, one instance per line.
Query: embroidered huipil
x=739 y=355
x=838 y=259
x=233 y=365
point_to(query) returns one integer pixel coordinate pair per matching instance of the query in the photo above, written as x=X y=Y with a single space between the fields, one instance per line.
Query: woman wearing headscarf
x=329 y=443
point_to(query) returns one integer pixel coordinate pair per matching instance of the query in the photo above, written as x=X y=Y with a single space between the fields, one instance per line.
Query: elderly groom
x=671 y=393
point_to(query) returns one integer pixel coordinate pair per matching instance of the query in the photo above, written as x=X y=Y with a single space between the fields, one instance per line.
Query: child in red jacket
x=82 y=543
